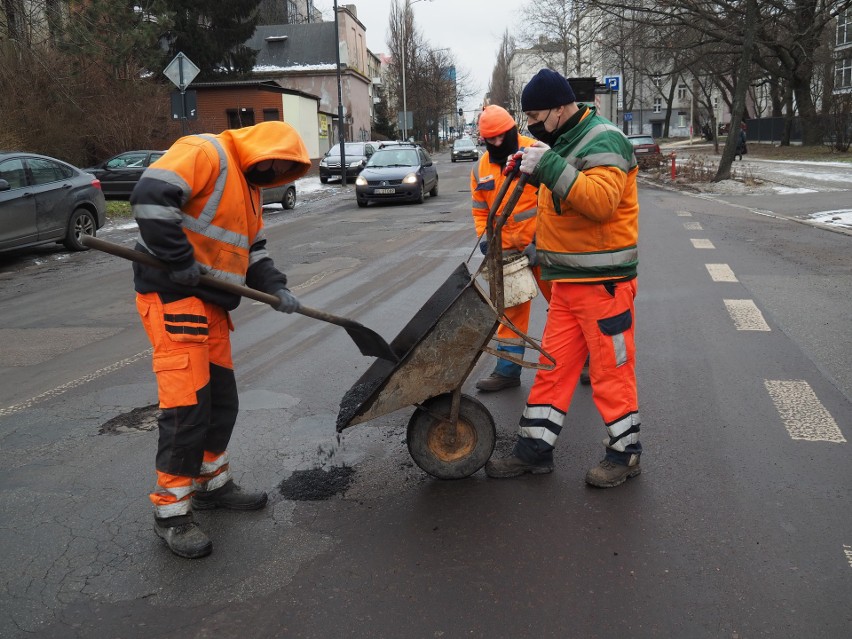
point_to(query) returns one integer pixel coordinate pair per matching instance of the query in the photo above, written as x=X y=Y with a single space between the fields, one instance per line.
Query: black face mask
x=539 y=132
x=498 y=154
x=260 y=178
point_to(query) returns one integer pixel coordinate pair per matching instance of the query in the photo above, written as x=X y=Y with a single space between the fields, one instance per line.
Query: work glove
x=288 y=302
x=483 y=246
x=532 y=156
x=531 y=253
x=512 y=161
x=187 y=276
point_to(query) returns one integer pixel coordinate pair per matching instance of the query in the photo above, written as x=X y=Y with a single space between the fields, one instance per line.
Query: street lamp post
x=408 y=4
x=340 y=133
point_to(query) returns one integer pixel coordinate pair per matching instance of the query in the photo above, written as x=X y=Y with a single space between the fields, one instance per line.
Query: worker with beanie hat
x=587 y=246
x=500 y=132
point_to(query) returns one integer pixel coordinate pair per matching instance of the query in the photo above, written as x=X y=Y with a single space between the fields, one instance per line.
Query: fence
x=772 y=130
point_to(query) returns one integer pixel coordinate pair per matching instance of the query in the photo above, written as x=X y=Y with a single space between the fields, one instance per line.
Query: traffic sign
x=628 y=117
x=181 y=71
x=613 y=82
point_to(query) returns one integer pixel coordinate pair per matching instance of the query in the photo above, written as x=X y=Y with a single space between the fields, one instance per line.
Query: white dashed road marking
x=702 y=244
x=746 y=315
x=692 y=226
x=847 y=550
x=684 y=214
x=804 y=415
x=721 y=273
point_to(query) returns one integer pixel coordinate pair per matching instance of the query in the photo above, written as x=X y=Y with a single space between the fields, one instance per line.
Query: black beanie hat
x=546 y=90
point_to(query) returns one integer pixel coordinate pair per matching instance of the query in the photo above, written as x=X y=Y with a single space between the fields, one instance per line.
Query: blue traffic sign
x=613 y=82
x=628 y=117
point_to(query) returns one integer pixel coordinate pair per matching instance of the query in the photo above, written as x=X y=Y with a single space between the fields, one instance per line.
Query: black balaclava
x=498 y=154
x=261 y=178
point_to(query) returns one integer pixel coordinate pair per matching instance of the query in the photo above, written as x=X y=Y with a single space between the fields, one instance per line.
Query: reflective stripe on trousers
x=586 y=319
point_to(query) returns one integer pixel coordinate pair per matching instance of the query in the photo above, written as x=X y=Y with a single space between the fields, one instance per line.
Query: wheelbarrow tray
x=437 y=349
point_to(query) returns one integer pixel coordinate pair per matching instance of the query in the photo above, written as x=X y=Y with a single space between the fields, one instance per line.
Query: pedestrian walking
x=500 y=132
x=586 y=241
x=199 y=210
x=742 y=147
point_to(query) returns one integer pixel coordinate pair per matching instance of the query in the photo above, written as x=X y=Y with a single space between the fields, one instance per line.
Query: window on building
x=658 y=105
x=292 y=12
x=681 y=119
x=271 y=115
x=657 y=80
x=843 y=74
x=238 y=118
x=844 y=28
x=682 y=92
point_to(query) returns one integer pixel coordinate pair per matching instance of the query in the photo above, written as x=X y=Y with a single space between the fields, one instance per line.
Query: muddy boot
x=497 y=382
x=608 y=474
x=515 y=466
x=183 y=536
x=229 y=496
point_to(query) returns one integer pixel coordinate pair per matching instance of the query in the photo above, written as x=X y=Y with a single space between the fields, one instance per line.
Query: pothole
x=143 y=419
x=317 y=484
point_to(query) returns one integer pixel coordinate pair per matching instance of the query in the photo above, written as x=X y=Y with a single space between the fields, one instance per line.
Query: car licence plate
x=384 y=191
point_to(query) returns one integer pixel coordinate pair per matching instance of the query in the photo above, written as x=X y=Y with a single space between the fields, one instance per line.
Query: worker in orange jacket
x=502 y=140
x=587 y=244
x=199 y=210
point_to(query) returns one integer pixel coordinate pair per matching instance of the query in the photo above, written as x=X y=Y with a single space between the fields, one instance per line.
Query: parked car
x=403 y=172
x=357 y=154
x=120 y=173
x=464 y=149
x=43 y=200
x=646 y=150
x=286 y=195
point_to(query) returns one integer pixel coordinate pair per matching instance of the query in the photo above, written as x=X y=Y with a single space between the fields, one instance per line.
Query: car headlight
x=411 y=178
x=360 y=181
x=352 y=164
x=324 y=162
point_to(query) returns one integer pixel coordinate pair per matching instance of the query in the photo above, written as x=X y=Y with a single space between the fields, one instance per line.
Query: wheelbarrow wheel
x=451 y=451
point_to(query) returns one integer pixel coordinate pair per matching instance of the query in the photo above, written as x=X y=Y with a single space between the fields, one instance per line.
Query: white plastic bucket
x=519 y=283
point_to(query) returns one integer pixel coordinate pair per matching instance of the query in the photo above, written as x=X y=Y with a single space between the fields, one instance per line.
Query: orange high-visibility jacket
x=588 y=223
x=195 y=203
x=486 y=178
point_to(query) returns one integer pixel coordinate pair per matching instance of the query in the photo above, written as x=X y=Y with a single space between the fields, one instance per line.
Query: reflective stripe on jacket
x=588 y=223
x=486 y=179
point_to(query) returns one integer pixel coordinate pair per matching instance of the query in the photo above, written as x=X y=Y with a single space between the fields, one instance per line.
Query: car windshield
x=645 y=139
x=463 y=144
x=354 y=149
x=395 y=157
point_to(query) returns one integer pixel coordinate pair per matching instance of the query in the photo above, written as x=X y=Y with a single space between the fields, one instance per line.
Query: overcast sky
x=472 y=29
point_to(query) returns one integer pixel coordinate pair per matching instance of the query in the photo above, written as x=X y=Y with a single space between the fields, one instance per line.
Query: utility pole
x=340 y=136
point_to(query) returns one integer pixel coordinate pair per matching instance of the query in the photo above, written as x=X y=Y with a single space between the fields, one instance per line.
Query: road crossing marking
x=721 y=273
x=684 y=214
x=702 y=244
x=692 y=226
x=804 y=415
x=746 y=315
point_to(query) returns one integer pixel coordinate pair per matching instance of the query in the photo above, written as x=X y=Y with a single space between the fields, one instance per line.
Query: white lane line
x=746 y=315
x=804 y=415
x=702 y=244
x=692 y=226
x=847 y=550
x=684 y=214
x=721 y=273
x=15 y=408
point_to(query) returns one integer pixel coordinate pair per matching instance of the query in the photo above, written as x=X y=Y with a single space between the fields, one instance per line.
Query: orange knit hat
x=494 y=121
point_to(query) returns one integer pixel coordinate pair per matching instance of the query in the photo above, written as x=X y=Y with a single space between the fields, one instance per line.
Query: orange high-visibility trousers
x=595 y=320
x=198 y=397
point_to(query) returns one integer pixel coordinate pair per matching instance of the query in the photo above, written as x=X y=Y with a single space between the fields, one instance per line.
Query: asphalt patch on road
x=318 y=484
x=138 y=419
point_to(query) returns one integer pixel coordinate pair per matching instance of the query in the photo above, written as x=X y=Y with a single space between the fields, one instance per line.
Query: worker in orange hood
x=199 y=210
x=500 y=132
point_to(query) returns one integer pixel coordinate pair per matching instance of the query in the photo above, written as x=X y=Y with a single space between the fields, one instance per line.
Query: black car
x=464 y=149
x=357 y=154
x=43 y=200
x=120 y=173
x=403 y=172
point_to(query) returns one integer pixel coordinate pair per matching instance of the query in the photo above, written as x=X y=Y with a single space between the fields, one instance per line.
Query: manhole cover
x=317 y=484
x=144 y=418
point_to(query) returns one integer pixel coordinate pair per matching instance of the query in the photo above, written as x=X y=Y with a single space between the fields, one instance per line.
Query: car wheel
x=81 y=223
x=289 y=199
x=434 y=191
x=362 y=203
x=324 y=180
x=422 y=196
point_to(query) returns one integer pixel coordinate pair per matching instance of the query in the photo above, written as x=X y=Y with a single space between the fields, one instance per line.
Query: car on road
x=646 y=150
x=464 y=149
x=120 y=173
x=356 y=156
x=286 y=195
x=399 y=173
x=44 y=200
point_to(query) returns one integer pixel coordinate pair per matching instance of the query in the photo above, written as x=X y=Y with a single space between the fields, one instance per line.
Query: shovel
x=367 y=340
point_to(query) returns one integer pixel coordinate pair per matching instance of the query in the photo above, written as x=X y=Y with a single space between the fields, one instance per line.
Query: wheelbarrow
x=450 y=434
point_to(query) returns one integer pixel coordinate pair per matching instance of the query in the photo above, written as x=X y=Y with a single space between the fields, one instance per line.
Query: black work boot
x=229 y=496
x=585 y=378
x=515 y=466
x=183 y=536
x=608 y=474
x=497 y=382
